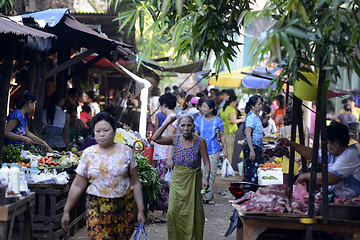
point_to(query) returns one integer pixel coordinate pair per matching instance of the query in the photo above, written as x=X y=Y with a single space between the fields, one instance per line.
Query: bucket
x=305 y=91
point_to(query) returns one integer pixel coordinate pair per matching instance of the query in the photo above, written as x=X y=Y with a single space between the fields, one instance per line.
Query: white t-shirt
x=94 y=107
x=59 y=118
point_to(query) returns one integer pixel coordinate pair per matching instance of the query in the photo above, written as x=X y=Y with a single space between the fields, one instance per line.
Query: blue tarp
x=49 y=17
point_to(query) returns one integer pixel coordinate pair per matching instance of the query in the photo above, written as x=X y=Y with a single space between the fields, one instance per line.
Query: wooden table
x=247 y=223
x=8 y=212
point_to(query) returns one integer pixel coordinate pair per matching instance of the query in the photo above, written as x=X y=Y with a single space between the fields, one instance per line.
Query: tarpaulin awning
x=67 y=28
x=34 y=39
x=189 y=68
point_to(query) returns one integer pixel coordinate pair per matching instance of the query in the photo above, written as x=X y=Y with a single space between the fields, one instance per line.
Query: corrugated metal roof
x=54 y=18
x=8 y=26
x=50 y=17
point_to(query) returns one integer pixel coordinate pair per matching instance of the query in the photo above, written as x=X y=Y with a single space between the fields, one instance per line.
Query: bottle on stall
x=14 y=178
x=33 y=169
x=4 y=172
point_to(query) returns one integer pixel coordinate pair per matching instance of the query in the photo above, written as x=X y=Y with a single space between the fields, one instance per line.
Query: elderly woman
x=185 y=217
x=108 y=171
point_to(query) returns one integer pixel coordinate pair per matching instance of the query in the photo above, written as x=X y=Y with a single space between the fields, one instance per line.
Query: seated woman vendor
x=16 y=130
x=343 y=163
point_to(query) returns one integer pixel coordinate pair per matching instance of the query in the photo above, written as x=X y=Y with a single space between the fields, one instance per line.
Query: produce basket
x=139 y=146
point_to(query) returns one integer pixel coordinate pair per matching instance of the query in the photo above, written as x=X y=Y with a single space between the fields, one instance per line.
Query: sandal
x=159 y=220
x=210 y=202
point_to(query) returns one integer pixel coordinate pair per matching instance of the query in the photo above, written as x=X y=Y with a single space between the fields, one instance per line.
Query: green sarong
x=185 y=217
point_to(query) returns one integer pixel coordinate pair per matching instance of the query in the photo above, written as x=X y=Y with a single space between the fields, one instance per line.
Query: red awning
x=104 y=62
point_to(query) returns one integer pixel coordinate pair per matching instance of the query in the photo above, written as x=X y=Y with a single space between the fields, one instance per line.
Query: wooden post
x=324 y=152
x=61 y=78
x=5 y=83
x=30 y=85
x=40 y=96
x=315 y=157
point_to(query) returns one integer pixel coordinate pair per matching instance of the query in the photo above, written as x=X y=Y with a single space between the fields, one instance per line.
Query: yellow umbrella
x=227 y=79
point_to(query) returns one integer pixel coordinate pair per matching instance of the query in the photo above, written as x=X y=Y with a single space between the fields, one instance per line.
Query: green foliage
x=149 y=178
x=6 y=6
x=11 y=154
x=194 y=28
x=322 y=34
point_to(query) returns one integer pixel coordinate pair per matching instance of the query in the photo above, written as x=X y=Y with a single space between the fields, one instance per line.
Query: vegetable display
x=11 y=154
x=149 y=178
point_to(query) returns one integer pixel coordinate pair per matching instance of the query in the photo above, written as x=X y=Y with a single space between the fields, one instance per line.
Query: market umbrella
x=260 y=77
x=230 y=79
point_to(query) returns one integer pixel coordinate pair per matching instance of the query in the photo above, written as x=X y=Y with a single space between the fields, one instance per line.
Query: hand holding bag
x=140 y=233
x=226 y=169
x=168 y=178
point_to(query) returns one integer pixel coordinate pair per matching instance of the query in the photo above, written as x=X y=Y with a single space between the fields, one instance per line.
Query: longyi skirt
x=110 y=218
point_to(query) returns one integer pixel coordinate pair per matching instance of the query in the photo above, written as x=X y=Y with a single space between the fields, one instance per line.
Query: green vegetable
x=11 y=154
x=149 y=178
x=269 y=178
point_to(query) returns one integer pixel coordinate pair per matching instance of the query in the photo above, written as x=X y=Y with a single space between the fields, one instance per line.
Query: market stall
x=13 y=208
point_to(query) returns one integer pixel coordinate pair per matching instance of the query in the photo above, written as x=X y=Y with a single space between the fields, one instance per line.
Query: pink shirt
x=108 y=175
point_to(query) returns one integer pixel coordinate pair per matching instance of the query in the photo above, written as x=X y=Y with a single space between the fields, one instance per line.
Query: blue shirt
x=347 y=167
x=207 y=130
x=253 y=121
x=162 y=118
x=19 y=129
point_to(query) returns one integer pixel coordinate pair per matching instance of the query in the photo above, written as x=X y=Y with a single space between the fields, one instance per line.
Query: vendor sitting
x=343 y=163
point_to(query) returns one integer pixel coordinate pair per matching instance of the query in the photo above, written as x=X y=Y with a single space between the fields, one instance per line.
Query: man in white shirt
x=269 y=127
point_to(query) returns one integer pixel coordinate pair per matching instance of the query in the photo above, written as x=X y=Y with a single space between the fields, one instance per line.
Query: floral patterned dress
x=109 y=203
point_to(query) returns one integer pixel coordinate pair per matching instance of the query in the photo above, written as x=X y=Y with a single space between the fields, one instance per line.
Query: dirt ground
x=216 y=216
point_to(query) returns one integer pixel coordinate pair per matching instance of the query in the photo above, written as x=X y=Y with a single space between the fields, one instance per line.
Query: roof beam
x=70 y=62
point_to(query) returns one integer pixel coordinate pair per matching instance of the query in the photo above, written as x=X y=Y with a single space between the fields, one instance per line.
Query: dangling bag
x=140 y=233
x=168 y=178
x=226 y=169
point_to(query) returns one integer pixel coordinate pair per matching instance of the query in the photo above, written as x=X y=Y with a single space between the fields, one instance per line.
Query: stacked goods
x=269 y=166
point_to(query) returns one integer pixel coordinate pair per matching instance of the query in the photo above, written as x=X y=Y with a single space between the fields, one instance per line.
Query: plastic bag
x=300 y=191
x=168 y=178
x=140 y=233
x=226 y=169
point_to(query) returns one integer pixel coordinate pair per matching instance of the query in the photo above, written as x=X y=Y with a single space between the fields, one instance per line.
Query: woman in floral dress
x=185 y=218
x=108 y=172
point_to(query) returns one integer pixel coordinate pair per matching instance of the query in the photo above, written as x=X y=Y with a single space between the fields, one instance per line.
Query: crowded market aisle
x=217 y=215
